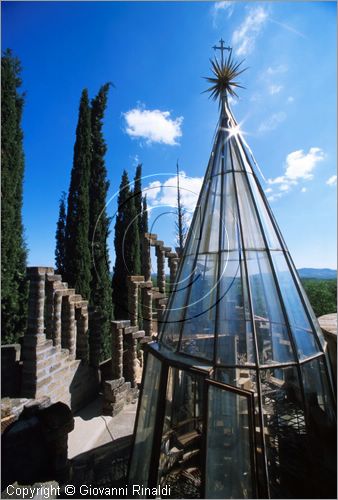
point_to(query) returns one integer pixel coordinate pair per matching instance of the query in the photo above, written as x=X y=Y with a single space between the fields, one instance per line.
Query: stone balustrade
x=55 y=348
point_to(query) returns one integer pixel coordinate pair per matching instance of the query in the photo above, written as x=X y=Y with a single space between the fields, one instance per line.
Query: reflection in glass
x=180 y=458
x=228 y=466
x=139 y=468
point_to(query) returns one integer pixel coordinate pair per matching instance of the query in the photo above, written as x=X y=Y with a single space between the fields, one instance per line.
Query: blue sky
x=156 y=53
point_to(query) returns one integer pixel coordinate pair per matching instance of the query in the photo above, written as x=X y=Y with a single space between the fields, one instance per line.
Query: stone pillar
x=173 y=262
x=53 y=283
x=34 y=341
x=160 y=306
x=36 y=300
x=147 y=307
x=57 y=318
x=117 y=348
x=133 y=298
x=68 y=325
x=160 y=254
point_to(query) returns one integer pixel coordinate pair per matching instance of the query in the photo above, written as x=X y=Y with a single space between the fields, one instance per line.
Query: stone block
x=130 y=329
x=136 y=279
x=115 y=398
x=34 y=270
x=110 y=385
x=139 y=334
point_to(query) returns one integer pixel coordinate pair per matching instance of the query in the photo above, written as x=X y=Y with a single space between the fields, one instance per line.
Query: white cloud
x=275 y=89
x=219 y=8
x=276 y=70
x=332 y=181
x=153 y=126
x=244 y=37
x=299 y=166
x=290 y=98
x=268 y=190
x=152 y=190
x=165 y=193
x=275 y=196
x=272 y=122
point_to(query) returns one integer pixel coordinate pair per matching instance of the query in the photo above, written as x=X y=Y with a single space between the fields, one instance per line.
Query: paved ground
x=93 y=429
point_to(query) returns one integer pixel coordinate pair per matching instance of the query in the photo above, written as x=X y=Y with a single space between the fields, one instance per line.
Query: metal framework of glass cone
x=237 y=398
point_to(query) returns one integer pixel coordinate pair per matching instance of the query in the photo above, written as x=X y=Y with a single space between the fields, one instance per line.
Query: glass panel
x=180 y=458
x=234 y=160
x=242 y=378
x=285 y=432
x=175 y=311
x=300 y=326
x=273 y=341
x=139 y=468
x=211 y=226
x=270 y=233
x=196 y=229
x=230 y=226
x=235 y=340
x=241 y=146
x=228 y=464
x=199 y=326
x=321 y=428
x=308 y=305
x=251 y=230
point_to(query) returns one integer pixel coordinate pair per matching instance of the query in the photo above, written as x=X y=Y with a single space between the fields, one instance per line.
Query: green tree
x=181 y=223
x=144 y=219
x=138 y=195
x=322 y=295
x=101 y=291
x=127 y=248
x=60 y=236
x=77 y=254
x=141 y=213
x=13 y=248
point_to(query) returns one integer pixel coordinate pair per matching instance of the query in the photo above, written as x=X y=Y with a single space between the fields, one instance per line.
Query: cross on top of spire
x=222 y=48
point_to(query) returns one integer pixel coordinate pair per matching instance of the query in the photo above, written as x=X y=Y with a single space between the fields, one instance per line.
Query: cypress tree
x=144 y=218
x=13 y=248
x=138 y=196
x=101 y=291
x=143 y=229
x=127 y=248
x=60 y=236
x=77 y=254
x=181 y=223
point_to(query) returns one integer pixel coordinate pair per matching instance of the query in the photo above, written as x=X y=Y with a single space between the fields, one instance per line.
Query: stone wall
x=55 y=347
x=122 y=388
x=56 y=358
x=143 y=295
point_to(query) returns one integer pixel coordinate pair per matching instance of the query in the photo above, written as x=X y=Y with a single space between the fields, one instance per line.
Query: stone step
x=139 y=334
x=130 y=329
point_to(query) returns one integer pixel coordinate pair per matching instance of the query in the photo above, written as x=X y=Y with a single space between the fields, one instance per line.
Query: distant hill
x=319 y=274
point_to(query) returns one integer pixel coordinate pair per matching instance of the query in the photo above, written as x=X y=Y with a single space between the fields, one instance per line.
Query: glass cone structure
x=236 y=399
